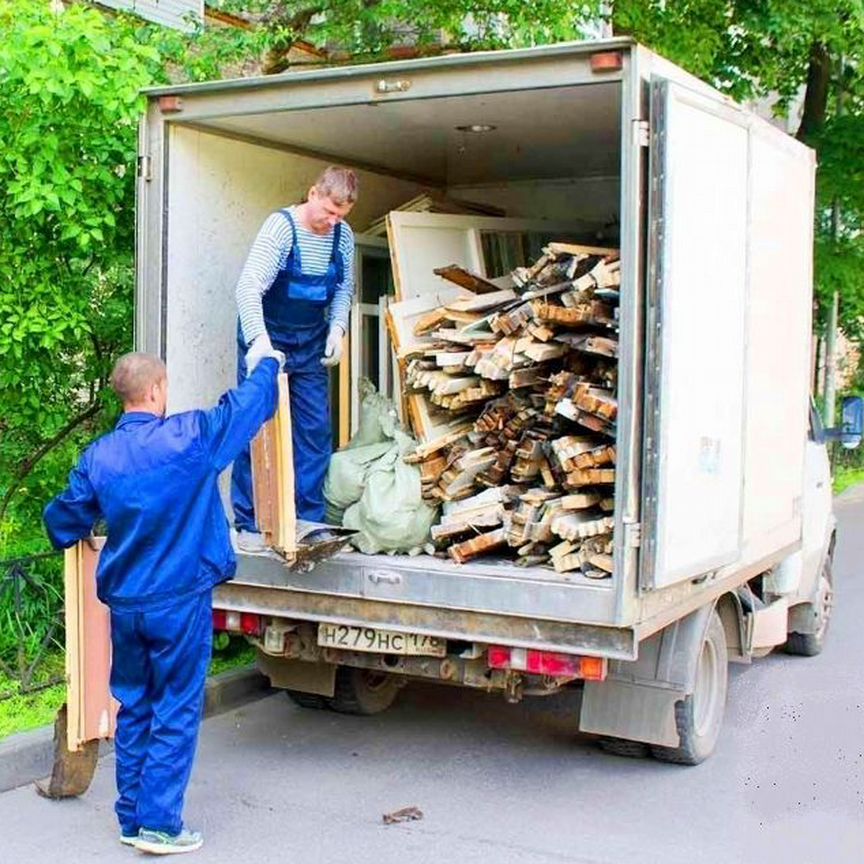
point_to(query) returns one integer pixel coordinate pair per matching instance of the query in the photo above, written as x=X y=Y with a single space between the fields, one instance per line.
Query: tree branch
x=43 y=450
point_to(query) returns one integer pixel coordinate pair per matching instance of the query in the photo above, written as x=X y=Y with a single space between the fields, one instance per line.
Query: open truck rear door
x=695 y=326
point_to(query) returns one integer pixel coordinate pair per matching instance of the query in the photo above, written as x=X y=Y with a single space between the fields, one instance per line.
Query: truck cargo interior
x=546 y=160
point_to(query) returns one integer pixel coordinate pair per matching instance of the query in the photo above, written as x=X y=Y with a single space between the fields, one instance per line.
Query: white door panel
x=696 y=332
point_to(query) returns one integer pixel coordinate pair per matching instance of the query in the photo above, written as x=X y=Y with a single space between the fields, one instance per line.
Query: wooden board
x=91 y=710
x=273 y=477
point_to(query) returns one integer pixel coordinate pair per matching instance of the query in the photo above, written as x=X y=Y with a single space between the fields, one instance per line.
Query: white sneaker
x=159 y=843
x=251 y=542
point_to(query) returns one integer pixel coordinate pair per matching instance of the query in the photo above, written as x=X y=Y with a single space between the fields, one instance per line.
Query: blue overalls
x=154 y=481
x=295 y=310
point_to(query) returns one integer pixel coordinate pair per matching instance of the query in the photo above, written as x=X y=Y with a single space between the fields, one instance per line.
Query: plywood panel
x=92 y=712
x=273 y=477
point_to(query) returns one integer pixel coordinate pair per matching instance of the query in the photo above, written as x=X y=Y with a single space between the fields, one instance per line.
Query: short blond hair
x=340 y=185
x=134 y=374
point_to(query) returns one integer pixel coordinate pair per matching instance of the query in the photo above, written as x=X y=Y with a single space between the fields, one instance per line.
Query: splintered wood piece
x=556 y=250
x=605 y=346
x=601 y=562
x=468 y=549
x=541 y=352
x=580 y=526
x=425 y=324
x=470 y=522
x=273 y=477
x=541 y=331
x=466 y=279
x=529 y=377
x=589 y=477
x=580 y=501
x=430 y=429
x=595 y=458
x=594 y=312
x=512 y=321
x=482 y=303
x=566 y=563
x=596 y=401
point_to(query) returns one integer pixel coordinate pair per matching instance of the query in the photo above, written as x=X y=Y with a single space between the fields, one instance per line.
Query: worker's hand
x=333 y=348
x=260 y=348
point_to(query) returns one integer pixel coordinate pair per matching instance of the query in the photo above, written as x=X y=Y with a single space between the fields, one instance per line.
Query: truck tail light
x=549 y=663
x=237 y=622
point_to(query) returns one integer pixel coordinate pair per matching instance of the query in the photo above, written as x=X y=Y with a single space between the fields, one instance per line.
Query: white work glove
x=333 y=347
x=260 y=348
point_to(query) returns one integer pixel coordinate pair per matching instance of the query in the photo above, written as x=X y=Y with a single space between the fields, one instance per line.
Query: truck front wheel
x=699 y=715
x=363 y=691
x=811 y=644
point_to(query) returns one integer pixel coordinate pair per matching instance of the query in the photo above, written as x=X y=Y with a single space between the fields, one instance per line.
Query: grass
x=844 y=478
x=22 y=712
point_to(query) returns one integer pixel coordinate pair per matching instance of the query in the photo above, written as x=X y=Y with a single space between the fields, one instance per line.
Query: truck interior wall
x=592 y=199
x=220 y=192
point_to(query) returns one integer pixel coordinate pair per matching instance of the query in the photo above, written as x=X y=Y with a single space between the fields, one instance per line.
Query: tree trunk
x=816 y=94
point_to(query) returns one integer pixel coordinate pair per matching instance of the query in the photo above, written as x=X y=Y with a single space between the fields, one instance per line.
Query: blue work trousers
x=311 y=435
x=158 y=671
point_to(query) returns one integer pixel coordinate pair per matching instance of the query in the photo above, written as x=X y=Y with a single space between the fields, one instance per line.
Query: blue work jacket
x=154 y=481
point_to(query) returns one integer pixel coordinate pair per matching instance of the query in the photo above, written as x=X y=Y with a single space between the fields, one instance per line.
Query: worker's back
x=154 y=481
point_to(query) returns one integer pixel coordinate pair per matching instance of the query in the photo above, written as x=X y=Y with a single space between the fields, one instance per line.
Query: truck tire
x=811 y=644
x=363 y=691
x=623 y=747
x=699 y=715
x=307 y=700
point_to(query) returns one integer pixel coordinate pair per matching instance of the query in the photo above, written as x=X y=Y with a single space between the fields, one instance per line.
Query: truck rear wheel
x=811 y=644
x=699 y=715
x=363 y=691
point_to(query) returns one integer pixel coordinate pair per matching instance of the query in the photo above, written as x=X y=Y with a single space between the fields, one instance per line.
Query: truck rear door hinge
x=633 y=535
x=144 y=165
x=642 y=132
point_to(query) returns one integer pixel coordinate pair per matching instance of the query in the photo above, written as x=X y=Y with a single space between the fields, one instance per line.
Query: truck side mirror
x=852 y=426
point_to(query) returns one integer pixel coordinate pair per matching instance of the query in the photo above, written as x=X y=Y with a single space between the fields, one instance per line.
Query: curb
x=29 y=756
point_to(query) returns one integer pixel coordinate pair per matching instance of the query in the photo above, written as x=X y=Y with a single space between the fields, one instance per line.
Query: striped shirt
x=269 y=254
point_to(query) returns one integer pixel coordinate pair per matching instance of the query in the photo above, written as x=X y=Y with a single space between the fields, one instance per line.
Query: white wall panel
x=219 y=193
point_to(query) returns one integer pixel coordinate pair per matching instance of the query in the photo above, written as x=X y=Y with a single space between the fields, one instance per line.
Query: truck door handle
x=388 y=577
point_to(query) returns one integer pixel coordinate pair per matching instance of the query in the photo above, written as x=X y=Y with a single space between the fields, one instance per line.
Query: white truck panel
x=220 y=192
x=778 y=328
x=702 y=311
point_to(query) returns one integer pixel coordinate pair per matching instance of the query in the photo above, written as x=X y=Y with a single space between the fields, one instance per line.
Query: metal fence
x=31 y=623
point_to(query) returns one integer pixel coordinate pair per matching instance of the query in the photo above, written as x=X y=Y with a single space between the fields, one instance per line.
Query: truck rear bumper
x=453 y=624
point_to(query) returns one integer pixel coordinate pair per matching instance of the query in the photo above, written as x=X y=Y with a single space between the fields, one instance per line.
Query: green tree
x=69 y=104
x=70 y=83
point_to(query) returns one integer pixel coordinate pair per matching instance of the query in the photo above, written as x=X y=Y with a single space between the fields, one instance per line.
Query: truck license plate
x=379 y=641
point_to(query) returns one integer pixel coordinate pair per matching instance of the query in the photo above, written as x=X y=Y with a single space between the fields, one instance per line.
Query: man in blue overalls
x=154 y=482
x=295 y=293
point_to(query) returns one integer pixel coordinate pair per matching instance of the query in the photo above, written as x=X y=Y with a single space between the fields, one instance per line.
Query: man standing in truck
x=294 y=294
x=153 y=479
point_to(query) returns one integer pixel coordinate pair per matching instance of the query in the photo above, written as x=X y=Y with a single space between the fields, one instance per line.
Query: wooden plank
x=465 y=279
x=273 y=477
x=345 y=394
x=91 y=711
x=558 y=249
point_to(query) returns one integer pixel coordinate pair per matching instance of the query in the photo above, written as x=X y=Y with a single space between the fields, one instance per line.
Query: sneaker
x=160 y=843
x=128 y=839
x=251 y=542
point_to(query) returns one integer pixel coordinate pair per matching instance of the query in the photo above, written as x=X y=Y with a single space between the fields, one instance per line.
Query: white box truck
x=723 y=527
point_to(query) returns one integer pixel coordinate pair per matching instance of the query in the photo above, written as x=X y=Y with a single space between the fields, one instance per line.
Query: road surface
x=500 y=783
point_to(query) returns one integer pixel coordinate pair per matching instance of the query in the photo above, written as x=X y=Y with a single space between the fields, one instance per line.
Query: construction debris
x=511 y=392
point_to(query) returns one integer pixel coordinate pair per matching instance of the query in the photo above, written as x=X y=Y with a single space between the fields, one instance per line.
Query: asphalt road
x=500 y=783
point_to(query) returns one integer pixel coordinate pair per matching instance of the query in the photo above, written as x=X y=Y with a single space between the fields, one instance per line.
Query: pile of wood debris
x=510 y=387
